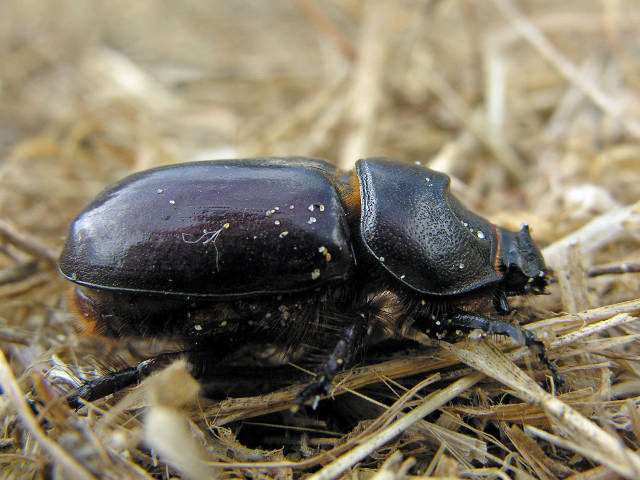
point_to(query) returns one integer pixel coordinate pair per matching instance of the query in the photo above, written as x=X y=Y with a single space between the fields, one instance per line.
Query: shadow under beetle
x=288 y=253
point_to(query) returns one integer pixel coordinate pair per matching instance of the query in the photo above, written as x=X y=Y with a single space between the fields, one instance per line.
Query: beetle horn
x=520 y=253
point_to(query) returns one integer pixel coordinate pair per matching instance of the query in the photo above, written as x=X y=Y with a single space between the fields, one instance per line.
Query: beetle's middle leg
x=342 y=356
x=491 y=326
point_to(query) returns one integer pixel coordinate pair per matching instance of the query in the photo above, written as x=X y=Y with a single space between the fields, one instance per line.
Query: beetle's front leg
x=341 y=357
x=491 y=326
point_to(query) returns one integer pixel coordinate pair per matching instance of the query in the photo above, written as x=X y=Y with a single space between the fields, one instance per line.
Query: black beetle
x=286 y=252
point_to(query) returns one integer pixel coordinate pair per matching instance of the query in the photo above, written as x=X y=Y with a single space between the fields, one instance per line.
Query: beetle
x=289 y=252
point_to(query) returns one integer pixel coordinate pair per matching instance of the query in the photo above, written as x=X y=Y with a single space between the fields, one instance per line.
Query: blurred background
x=532 y=106
x=500 y=94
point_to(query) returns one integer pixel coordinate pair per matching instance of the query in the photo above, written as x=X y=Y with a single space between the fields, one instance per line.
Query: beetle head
x=523 y=268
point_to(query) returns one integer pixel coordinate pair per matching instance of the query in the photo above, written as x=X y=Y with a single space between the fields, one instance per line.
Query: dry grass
x=532 y=106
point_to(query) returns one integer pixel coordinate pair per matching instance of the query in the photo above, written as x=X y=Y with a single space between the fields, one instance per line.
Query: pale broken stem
x=598 y=232
x=596 y=444
x=18 y=272
x=614 y=269
x=430 y=404
x=587 y=316
x=615 y=321
x=572 y=100
x=366 y=88
x=474 y=122
x=27 y=244
x=394 y=468
x=24 y=285
x=566 y=444
x=571 y=72
x=26 y=415
x=571 y=277
x=313 y=108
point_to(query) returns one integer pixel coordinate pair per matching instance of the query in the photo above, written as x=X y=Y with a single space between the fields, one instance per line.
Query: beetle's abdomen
x=217 y=229
x=419 y=231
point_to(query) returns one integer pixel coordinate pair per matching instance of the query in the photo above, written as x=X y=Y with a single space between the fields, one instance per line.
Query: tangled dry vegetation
x=532 y=106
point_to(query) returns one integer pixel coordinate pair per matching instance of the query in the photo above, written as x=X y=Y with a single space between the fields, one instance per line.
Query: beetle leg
x=34 y=405
x=491 y=326
x=341 y=357
x=116 y=381
x=501 y=303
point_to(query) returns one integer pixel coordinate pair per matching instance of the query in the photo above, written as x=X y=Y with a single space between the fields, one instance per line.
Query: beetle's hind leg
x=115 y=381
x=491 y=326
x=341 y=357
